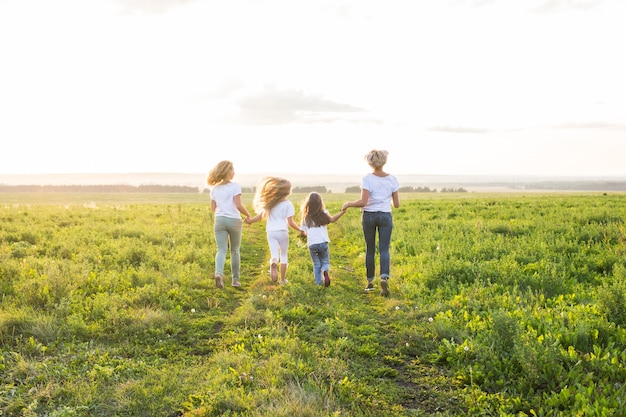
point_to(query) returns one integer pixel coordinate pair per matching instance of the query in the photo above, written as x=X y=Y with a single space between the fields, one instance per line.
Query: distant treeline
x=97 y=189
x=181 y=189
x=130 y=189
x=357 y=189
x=578 y=185
x=318 y=189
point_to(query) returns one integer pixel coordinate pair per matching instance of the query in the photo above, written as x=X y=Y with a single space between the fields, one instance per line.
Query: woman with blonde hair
x=379 y=190
x=227 y=208
x=270 y=202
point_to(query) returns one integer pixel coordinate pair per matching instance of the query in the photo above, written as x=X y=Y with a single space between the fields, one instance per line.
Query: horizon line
x=238 y=173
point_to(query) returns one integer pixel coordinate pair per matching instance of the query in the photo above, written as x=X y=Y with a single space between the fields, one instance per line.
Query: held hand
x=344 y=207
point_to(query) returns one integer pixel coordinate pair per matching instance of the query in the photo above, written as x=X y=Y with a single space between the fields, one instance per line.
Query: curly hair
x=314 y=212
x=270 y=191
x=220 y=174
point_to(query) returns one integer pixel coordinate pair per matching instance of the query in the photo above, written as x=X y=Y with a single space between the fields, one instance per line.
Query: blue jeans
x=227 y=229
x=382 y=223
x=320 y=254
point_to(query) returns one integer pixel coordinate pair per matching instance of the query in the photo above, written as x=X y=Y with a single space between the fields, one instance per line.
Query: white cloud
x=150 y=6
x=457 y=86
x=273 y=106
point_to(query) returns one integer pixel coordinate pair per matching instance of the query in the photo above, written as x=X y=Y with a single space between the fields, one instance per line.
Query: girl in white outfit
x=270 y=202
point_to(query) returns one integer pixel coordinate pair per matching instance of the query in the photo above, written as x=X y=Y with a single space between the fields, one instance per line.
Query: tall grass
x=500 y=305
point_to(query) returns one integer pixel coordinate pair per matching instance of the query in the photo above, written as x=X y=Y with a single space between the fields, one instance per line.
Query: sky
x=448 y=87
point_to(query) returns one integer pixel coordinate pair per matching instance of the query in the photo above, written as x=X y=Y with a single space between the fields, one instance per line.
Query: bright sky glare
x=477 y=87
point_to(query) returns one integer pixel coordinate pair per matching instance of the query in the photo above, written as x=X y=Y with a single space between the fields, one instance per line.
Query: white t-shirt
x=315 y=234
x=224 y=195
x=277 y=219
x=380 y=189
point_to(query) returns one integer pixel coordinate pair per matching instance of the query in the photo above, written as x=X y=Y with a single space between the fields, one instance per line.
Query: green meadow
x=501 y=305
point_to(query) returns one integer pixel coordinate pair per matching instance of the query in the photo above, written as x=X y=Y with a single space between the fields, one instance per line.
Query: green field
x=501 y=305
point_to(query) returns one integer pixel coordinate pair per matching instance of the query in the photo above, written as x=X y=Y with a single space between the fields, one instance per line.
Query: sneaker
x=326 y=279
x=384 y=288
x=370 y=286
x=236 y=282
x=274 y=272
x=219 y=282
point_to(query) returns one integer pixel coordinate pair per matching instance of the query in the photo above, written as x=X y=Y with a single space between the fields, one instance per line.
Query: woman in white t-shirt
x=227 y=208
x=315 y=219
x=270 y=202
x=379 y=190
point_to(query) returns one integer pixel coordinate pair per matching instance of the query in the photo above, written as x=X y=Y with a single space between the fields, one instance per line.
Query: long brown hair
x=313 y=211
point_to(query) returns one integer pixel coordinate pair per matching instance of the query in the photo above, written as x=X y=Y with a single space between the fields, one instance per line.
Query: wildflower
x=407 y=344
x=193 y=310
x=466 y=348
x=430 y=319
x=397 y=307
x=260 y=337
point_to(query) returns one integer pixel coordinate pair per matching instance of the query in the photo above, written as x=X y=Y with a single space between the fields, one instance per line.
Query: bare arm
x=242 y=209
x=395 y=197
x=254 y=219
x=365 y=196
x=213 y=206
x=336 y=217
x=294 y=225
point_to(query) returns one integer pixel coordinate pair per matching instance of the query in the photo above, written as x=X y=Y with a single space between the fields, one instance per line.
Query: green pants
x=227 y=230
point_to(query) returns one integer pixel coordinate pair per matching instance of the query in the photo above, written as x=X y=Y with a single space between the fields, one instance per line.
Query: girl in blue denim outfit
x=315 y=219
x=379 y=190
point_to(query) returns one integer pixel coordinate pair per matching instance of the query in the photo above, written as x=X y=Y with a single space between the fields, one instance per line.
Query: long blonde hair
x=220 y=174
x=269 y=192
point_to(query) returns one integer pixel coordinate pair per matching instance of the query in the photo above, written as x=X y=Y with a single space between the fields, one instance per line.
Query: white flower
x=466 y=348
x=430 y=319
x=260 y=336
x=407 y=344
x=397 y=307
x=193 y=310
